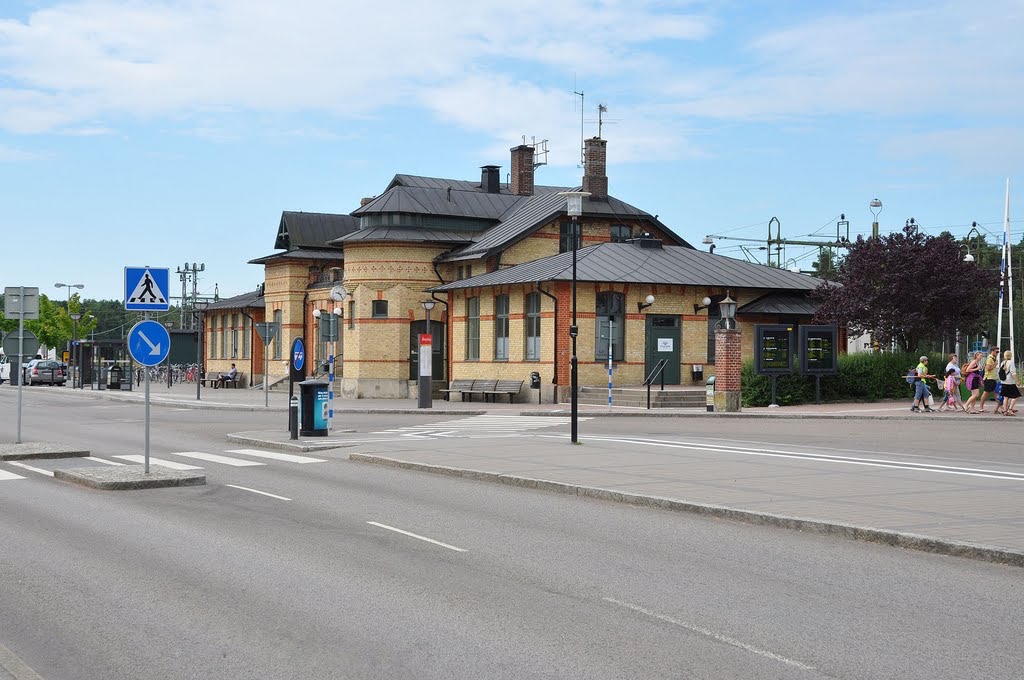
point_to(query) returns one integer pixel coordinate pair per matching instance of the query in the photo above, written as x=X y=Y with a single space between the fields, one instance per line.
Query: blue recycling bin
x=313 y=406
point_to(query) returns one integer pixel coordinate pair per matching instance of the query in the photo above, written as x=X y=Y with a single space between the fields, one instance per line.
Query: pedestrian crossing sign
x=146 y=289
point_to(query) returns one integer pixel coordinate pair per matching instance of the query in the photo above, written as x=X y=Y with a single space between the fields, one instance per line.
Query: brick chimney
x=595 y=179
x=522 y=170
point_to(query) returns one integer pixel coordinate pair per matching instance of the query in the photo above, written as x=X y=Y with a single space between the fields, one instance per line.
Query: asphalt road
x=316 y=580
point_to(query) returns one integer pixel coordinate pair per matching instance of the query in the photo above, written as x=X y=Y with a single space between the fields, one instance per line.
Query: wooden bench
x=490 y=389
x=509 y=387
x=214 y=381
x=471 y=387
x=460 y=386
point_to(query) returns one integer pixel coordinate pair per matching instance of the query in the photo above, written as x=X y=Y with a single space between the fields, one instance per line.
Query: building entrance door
x=663 y=340
x=437 y=334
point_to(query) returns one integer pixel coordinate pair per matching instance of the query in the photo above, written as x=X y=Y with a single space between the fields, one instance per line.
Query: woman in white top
x=1010 y=391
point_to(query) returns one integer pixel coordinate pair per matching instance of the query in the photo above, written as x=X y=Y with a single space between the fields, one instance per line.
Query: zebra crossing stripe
x=214 y=458
x=161 y=462
x=5 y=475
x=273 y=455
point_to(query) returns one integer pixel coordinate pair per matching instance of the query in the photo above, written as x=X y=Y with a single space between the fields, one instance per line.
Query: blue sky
x=161 y=133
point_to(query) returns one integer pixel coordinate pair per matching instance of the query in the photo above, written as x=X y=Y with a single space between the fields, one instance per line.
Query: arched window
x=611 y=319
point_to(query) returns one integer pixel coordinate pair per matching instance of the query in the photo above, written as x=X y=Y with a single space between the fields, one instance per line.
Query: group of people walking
x=984 y=376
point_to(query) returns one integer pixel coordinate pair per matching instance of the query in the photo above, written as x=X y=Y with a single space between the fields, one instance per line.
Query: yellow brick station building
x=495 y=258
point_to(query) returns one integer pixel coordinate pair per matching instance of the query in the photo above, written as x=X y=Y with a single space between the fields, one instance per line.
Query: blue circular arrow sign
x=298 y=354
x=149 y=343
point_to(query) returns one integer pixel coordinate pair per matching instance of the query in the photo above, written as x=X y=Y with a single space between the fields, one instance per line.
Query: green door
x=663 y=338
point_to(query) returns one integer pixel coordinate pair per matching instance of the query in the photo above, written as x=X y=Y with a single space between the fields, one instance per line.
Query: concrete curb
x=39 y=450
x=129 y=477
x=301 y=446
x=868 y=534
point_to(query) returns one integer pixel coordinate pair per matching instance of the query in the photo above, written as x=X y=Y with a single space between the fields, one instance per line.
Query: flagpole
x=1002 y=287
x=1009 y=267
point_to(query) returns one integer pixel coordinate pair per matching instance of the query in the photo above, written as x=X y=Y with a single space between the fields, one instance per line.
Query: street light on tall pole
x=72 y=353
x=574 y=207
x=198 y=308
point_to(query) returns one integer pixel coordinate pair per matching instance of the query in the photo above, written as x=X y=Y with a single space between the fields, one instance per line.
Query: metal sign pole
x=146 y=466
x=21 y=352
x=266 y=374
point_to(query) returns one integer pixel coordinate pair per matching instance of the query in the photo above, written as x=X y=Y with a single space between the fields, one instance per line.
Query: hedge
x=861 y=377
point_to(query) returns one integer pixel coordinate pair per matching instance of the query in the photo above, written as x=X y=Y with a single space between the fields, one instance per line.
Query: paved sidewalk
x=184 y=396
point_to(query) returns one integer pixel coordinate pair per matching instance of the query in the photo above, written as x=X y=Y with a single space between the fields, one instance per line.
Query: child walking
x=953 y=392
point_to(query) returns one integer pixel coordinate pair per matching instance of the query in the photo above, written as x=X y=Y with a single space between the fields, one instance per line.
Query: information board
x=773 y=349
x=818 y=350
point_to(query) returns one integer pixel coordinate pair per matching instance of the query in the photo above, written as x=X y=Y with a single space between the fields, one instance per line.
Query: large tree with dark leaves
x=908 y=287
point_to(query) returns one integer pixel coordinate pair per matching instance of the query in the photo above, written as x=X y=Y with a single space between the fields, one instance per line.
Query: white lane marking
x=5 y=475
x=276 y=456
x=262 y=493
x=48 y=473
x=103 y=460
x=820 y=458
x=417 y=536
x=710 y=634
x=160 y=461
x=18 y=669
x=214 y=458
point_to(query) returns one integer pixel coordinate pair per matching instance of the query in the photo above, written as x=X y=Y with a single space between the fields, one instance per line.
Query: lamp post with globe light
x=574 y=207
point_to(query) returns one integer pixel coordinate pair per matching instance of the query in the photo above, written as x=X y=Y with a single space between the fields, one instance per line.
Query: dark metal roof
x=302 y=229
x=540 y=210
x=244 y=301
x=407 y=234
x=629 y=263
x=781 y=303
x=302 y=254
x=436 y=201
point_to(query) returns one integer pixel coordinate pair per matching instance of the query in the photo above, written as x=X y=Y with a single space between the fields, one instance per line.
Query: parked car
x=46 y=371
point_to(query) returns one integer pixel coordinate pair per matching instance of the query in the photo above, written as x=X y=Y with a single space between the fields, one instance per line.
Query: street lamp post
x=574 y=207
x=198 y=307
x=69 y=286
x=73 y=355
x=426 y=367
x=876 y=207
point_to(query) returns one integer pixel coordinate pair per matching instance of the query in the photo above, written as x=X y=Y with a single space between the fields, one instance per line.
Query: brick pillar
x=728 y=370
x=595 y=177
x=522 y=170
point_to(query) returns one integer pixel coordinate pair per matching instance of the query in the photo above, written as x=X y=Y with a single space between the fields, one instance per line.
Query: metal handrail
x=659 y=369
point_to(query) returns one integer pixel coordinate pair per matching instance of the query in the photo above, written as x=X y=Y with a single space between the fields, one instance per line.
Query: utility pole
x=189 y=273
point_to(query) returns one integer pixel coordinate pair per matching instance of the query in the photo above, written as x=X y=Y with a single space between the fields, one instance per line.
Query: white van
x=5 y=369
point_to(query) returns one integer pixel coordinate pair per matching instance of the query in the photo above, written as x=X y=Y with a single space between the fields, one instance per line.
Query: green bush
x=861 y=377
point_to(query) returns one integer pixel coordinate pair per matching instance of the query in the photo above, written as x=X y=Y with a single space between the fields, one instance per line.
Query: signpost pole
x=21 y=352
x=266 y=374
x=146 y=466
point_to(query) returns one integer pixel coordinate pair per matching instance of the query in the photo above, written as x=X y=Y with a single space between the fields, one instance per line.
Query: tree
x=908 y=287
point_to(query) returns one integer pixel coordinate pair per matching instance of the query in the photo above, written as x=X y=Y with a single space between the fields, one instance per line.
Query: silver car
x=41 y=371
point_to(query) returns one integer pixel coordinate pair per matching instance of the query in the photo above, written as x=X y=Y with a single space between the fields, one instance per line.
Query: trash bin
x=313 y=407
x=709 y=391
x=114 y=377
x=698 y=372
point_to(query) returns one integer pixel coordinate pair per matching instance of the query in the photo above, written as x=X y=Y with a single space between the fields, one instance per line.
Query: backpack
x=911 y=376
x=1002 y=371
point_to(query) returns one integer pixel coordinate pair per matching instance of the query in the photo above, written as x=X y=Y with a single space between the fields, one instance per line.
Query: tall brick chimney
x=595 y=179
x=522 y=170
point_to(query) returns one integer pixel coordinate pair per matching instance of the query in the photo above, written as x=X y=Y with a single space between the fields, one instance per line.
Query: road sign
x=11 y=343
x=149 y=342
x=21 y=302
x=268 y=331
x=298 y=354
x=146 y=289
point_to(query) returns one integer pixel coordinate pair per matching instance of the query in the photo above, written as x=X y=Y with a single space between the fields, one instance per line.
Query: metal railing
x=659 y=370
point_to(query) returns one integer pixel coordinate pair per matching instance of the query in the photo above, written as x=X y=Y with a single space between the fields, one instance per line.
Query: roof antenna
x=579 y=93
x=601 y=110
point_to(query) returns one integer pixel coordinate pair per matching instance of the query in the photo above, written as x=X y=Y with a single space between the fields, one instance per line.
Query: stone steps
x=637 y=397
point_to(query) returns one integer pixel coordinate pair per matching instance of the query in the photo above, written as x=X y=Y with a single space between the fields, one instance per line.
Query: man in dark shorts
x=991 y=378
